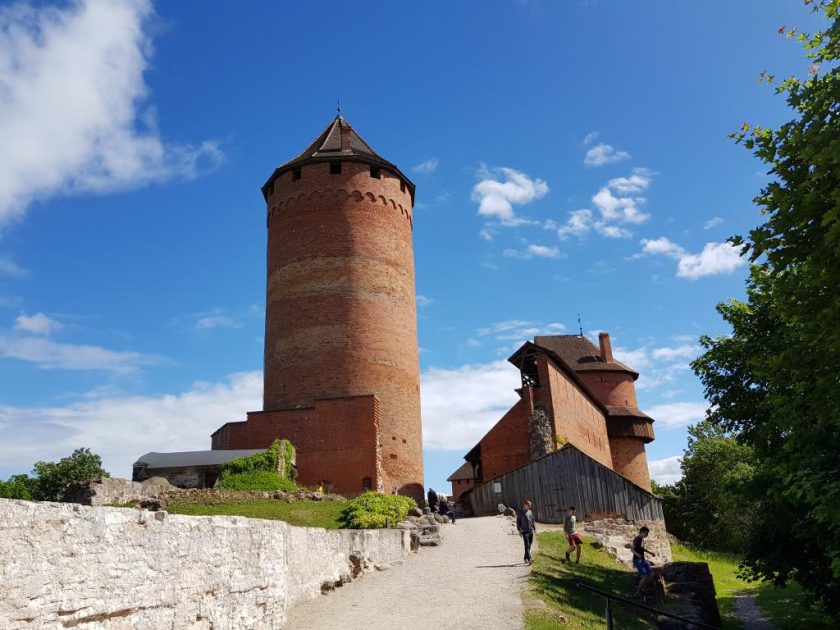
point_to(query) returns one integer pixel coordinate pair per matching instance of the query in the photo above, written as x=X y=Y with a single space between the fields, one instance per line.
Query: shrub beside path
x=473 y=580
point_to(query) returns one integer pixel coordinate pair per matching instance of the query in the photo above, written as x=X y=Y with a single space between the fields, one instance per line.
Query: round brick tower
x=341 y=317
x=628 y=428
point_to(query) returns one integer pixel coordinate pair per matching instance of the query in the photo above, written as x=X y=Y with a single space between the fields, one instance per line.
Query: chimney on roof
x=606 y=348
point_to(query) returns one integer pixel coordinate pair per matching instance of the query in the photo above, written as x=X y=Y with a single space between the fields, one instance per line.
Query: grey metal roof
x=192 y=458
x=327 y=147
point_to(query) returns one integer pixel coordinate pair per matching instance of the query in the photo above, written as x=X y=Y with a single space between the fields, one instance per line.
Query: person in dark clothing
x=445 y=510
x=640 y=562
x=432 y=499
x=527 y=527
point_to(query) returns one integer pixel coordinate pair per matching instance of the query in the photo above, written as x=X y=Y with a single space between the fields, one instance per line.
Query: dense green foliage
x=789 y=608
x=775 y=381
x=49 y=479
x=371 y=509
x=17 y=487
x=261 y=471
x=712 y=505
x=256 y=480
x=325 y=514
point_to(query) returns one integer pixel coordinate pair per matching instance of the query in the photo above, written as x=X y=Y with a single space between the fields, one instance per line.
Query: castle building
x=341 y=364
x=572 y=393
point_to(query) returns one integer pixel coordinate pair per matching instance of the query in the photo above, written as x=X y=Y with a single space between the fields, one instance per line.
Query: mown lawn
x=788 y=608
x=301 y=513
x=564 y=606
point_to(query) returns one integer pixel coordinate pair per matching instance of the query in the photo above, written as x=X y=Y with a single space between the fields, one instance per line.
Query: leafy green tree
x=775 y=380
x=51 y=478
x=17 y=487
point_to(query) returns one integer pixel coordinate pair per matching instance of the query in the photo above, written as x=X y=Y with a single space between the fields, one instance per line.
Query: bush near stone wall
x=372 y=510
x=273 y=469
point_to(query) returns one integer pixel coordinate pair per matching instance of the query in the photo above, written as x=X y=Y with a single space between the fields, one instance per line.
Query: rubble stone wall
x=69 y=566
x=615 y=533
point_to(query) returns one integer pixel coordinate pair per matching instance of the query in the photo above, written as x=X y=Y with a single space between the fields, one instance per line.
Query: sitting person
x=444 y=509
x=640 y=562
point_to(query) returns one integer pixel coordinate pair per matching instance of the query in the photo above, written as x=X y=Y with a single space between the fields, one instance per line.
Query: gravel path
x=473 y=580
x=748 y=612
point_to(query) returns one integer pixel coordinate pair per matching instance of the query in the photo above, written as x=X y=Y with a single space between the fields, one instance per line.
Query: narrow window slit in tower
x=335 y=168
x=295 y=174
x=402 y=186
x=374 y=172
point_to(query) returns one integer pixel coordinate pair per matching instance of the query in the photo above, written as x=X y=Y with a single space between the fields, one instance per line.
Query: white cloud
x=37 y=324
x=71 y=105
x=8 y=267
x=713 y=222
x=209 y=322
x=714 y=259
x=172 y=422
x=666 y=471
x=426 y=167
x=500 y=189
x=485 y=393
x=533 y=251
x=615 y=209
x=519 y=330
x=685 y=351
x=590 y=138
x=486 y=235
x=423 y=301
x=602 y=154
x=678 y=414
x=51 y=355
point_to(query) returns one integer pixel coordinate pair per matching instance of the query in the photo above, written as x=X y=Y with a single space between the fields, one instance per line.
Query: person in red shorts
x=575 y=541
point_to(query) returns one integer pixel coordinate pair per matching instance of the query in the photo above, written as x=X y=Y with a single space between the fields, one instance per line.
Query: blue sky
x=569 y=158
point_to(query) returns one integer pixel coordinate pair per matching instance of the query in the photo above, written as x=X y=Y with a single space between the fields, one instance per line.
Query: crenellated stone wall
x=67 y=566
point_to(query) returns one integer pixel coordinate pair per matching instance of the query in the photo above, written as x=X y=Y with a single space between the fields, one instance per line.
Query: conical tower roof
x=339 y=142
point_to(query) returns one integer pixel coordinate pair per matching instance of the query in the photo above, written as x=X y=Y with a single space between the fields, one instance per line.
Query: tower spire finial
x=338 y=107
x=580 y=326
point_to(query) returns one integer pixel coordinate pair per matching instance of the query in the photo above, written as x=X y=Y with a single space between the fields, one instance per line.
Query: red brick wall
x=460 y=486
x=505 y=446
x=337 y=440
x=611 y=388
x=629 y=459
x=340 y=305
x=576 y=418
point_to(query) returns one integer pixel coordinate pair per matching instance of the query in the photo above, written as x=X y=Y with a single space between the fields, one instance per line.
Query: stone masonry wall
x=614 y=533
x=68 y=566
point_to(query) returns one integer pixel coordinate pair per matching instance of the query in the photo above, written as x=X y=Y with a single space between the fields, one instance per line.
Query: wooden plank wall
x=563 y=478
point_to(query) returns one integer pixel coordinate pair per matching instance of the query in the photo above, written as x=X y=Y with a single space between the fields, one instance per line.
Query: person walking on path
x=432 y=499
x=640 y=562
x=444 y=509
x=527 y=527
x=574 y=539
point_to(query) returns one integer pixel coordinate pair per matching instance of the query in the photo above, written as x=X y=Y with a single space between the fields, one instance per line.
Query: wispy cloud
x=37 y=324
x=52 y=355
x=714 y=259
x=500 y=189
x=71 y=105
x=533 y=251
x=713 y=222
x=678 y=414
x=485 y=393
x=617 y=205
x=666 y=471
x=602 y=153
x=519 y=329
x=8 y=267
x=426 y=167
x=423 y=301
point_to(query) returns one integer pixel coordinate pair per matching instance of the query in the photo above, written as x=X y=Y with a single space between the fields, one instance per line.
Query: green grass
x=789 y=608
x=301 y=513
x=552 y=583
